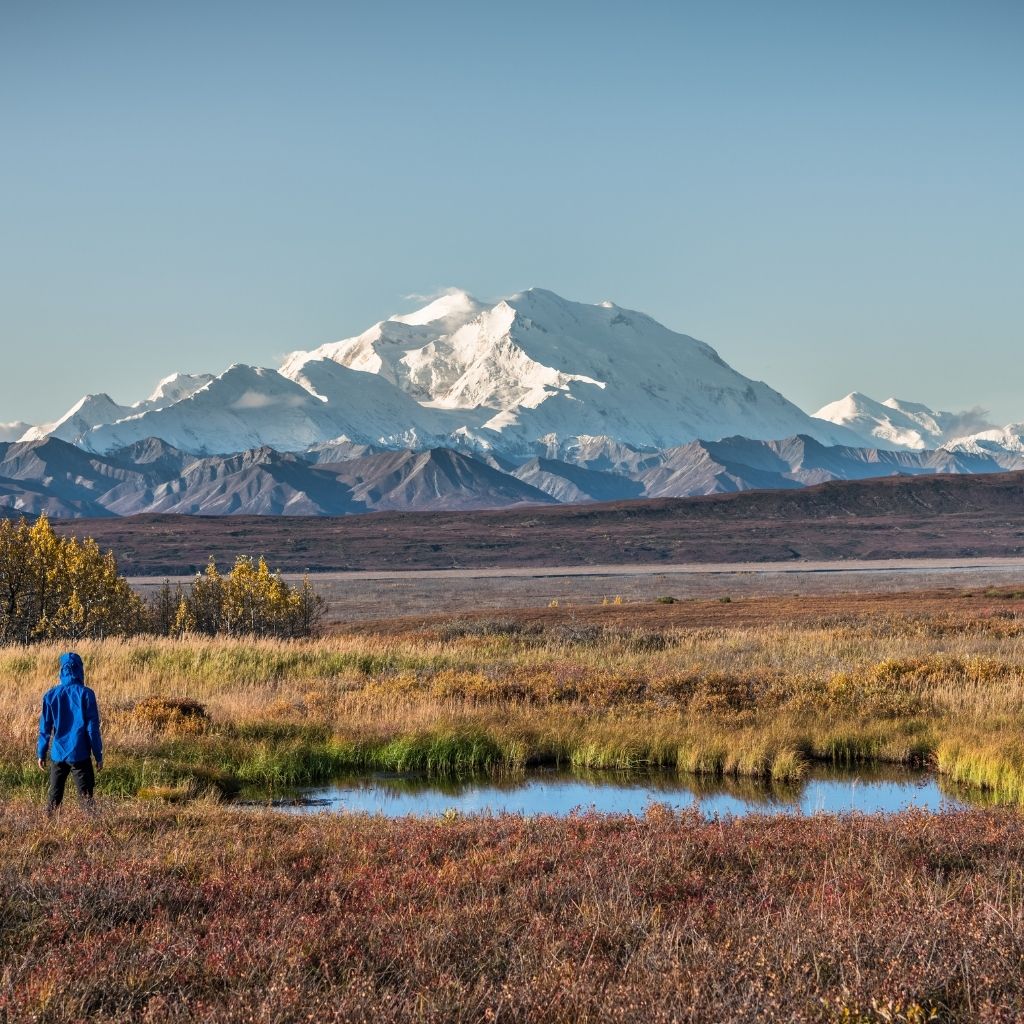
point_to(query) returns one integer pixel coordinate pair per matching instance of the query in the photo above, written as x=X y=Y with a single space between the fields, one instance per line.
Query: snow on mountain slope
x=897 y=423
x=368 y=409
x=86 y=413
x=245 y=407
x=100 y=410
x=175 y=388
x=13 y=431
x=402 y=349
x=249 y=407
x=1001 y=440
x=531 y=376
x=536 y=364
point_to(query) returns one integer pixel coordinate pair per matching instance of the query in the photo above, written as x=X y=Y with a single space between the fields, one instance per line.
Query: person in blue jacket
x=71 y=723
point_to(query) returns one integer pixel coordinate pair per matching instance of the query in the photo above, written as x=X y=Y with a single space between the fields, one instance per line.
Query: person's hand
x=99 y=766
x=42 y=764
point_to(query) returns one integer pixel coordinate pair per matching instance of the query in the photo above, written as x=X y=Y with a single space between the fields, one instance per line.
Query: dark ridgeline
x=339 y=478
x=891 y=517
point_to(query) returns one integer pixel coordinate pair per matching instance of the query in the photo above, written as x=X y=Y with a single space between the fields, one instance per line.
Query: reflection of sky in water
x=560 y=795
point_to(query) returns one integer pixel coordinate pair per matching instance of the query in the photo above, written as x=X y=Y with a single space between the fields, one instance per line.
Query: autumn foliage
x=248 y=601
x=62 y=589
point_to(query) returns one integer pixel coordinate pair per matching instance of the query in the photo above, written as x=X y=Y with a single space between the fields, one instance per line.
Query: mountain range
x=532 y=369
x=65 y=481
x=941 y=516
x=903 y=425
x=463 y=405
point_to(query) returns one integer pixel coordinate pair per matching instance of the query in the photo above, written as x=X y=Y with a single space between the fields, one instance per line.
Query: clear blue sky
x=829 y=193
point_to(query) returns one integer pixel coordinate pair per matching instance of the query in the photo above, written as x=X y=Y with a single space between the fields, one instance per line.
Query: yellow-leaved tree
x=249 y=601
x=60 y=588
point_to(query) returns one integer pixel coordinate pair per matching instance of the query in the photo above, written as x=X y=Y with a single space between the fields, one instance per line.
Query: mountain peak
x=896 y=422
x=493 y=377
x=174 y=388
x=97 y=401
x=88 y=412
x=150 y=449
x=998 y=440
x=453 y=305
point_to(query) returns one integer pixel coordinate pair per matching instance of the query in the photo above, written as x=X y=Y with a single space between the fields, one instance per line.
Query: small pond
x=561 y=793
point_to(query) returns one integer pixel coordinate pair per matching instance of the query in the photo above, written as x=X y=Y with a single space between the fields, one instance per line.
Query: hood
x=71 y=669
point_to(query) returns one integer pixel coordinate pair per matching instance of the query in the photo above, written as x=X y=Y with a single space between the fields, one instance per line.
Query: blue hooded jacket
x=71 y=716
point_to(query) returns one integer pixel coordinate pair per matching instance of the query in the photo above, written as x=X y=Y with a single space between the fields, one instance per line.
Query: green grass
x=763 y=702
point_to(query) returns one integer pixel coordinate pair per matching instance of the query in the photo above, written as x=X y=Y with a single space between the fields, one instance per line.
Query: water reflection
x=561 y=793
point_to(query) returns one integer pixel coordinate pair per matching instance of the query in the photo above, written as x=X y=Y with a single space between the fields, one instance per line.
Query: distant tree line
x=250 y=600
x=60 y=588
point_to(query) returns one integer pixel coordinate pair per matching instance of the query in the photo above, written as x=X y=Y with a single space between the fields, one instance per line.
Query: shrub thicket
x=248 y=601
x=64 y=589
x=60 y=588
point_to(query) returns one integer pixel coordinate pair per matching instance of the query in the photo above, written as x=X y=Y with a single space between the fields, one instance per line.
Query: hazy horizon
x=828 y=197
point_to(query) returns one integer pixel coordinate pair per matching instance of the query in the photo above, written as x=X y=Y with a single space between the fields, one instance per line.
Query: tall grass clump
x=748 y=701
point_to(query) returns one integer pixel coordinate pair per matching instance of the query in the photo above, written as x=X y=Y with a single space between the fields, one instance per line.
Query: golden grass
x=752 y=700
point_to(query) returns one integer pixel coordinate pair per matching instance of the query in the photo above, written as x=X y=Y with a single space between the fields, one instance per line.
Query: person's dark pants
x=80 y=771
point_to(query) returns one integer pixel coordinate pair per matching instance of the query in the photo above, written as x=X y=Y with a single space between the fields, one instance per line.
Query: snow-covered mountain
x=66 y=481
x=897 y=423
x=536 y=365
x=88 y=412
x=531 y=375
x=175 y=388
x=100 y=410
x=990 y=442
x=251 y=407
x=367 y=408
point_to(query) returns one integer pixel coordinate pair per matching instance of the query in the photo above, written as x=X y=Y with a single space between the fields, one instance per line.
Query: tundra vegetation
x=762 y=698
x=187 y=908
x=154 y=913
